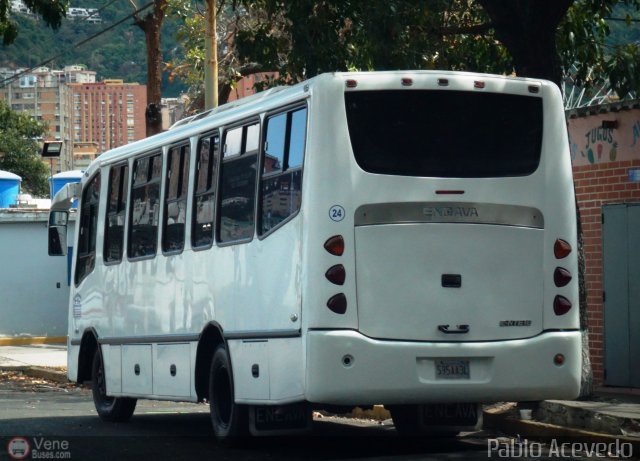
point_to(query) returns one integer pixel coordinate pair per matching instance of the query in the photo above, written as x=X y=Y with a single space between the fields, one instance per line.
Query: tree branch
x=474 y=29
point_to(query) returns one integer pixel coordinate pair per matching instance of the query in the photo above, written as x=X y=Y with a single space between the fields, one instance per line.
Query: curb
x=544 y=431
x=39 y=372
x=28 y=340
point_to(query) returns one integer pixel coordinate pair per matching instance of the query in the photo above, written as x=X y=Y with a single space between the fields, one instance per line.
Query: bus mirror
x=58 y=218
x=58 y=233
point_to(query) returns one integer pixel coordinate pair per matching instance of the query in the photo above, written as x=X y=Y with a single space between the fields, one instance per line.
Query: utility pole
x=211 y=59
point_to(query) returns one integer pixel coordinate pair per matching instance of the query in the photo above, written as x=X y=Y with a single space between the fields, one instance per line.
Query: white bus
x=404 y=238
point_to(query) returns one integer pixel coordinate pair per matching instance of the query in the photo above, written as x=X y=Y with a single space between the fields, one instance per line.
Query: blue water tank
x=9 y=188
x=58 y=181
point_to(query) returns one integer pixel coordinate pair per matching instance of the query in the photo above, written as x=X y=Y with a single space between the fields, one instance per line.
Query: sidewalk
x=42 y=360
x=601 y=419
x=606 y=417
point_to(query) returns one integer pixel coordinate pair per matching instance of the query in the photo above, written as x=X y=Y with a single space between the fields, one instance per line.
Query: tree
x=189 y=65
x=540 y=38
x=51 y=11
x=19 y=150
x=151 y=23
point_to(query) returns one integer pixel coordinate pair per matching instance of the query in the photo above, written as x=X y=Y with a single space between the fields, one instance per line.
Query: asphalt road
x=61 y=423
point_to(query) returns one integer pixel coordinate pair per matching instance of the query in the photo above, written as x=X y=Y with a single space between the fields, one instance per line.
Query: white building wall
x=34 y=290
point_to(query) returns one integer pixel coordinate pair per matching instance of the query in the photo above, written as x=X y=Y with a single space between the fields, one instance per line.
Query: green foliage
x=119 y=53
x=50 y=11
x=187 y=63
x=598 y=46
x=19 y=151
x=306 y=37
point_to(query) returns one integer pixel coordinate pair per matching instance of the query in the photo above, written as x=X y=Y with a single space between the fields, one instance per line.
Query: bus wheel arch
x=88 y=346
x=210 y=338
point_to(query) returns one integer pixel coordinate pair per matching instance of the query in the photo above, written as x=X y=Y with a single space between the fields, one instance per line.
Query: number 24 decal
x=336 y=213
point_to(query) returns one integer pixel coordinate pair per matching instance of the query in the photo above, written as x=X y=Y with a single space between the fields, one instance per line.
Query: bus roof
x=245 y=107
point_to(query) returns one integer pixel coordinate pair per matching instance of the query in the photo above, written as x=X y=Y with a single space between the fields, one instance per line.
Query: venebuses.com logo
x=18 y=448
x=38 y=448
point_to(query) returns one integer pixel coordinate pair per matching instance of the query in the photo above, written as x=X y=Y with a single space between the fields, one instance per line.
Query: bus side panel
x=73 y=352
x=560 y=211
x=328 y=203
x=113 y=368
x=268 y=371
x=257 y=284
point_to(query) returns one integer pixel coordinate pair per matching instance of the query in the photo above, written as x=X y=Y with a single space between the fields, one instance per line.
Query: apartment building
x=105 y=115
x=43 y=93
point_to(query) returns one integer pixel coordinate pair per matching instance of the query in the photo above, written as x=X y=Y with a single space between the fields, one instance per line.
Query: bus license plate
x=452 y=369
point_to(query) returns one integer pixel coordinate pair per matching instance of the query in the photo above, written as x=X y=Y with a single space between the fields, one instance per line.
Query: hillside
x=119 y=53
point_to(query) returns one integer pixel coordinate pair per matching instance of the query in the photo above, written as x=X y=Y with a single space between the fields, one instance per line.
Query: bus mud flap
x=266 y=420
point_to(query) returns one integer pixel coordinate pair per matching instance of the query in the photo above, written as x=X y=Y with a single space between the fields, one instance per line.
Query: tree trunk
x=151 y=25
x=527 y=28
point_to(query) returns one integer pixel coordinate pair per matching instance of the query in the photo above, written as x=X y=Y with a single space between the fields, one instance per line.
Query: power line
x=623 y=19
x=8 y=80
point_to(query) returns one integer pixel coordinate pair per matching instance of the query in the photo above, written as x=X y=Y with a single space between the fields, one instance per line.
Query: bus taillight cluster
x=336 y=274
x=561 y=277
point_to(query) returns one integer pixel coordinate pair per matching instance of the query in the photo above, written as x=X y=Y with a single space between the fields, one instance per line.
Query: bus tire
x=229 y=420
x=406 y=419
x=112 y=409
x=408 y=422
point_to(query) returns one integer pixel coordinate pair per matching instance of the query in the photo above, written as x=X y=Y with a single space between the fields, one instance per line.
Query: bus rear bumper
x=346 y=368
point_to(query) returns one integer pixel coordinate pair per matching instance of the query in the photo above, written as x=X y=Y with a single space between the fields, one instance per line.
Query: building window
x=145 y=207
x=86 y=252
x=175 y=208
x=281 y=185
x=114 y=225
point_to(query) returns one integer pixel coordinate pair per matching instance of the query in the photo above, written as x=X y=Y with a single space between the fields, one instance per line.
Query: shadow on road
x=177 y=436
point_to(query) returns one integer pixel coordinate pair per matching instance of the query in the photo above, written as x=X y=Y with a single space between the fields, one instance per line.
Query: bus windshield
x=453 y=134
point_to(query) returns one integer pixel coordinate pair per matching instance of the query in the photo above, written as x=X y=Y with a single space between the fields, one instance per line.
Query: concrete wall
x=602 y=161
x=34 y=290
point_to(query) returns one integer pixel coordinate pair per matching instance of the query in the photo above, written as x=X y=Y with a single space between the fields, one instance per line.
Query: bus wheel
x=229 y=419
x=408 y=422
x=114 y=409
x=406 y=419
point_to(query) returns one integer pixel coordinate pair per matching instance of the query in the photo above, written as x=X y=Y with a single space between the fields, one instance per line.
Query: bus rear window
x=449 y=134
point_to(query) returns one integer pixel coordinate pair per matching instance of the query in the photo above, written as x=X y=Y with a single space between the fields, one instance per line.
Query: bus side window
x=88 y=228
x=114 y=224
x=175 y=211
x=281 y=185
x=145 y=207
x=238 y=185
x=205 y=191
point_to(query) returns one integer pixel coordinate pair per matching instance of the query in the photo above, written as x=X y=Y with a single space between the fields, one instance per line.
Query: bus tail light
x=561 y=305
x=351 y=83
x=478 y=84
x=561 y=249
x=407 y=81
x=335 y=245
x=443 y=82
x=338 y=303
x=336 y=274
x=558 y=359
x=561 y=277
